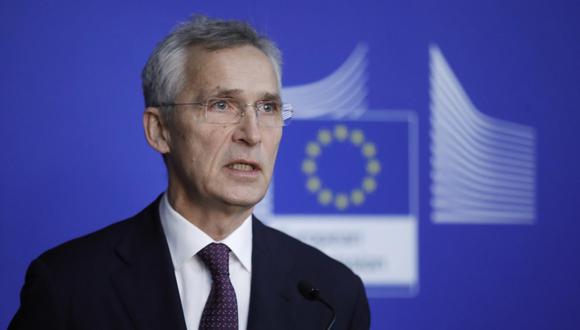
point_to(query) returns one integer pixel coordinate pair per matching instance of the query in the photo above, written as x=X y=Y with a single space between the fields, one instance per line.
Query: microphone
x=308 y=291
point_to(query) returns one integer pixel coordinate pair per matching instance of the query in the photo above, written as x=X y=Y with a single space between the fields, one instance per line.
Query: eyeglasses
x=226 y=111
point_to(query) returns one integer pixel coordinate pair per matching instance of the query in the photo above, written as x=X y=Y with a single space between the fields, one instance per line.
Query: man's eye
x=219 y=105
x=269 y=107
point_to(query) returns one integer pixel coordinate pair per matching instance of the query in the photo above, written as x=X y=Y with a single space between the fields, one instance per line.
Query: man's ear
x=156 y=132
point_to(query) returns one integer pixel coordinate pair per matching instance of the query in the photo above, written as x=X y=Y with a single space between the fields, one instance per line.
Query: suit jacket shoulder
x=120 y=277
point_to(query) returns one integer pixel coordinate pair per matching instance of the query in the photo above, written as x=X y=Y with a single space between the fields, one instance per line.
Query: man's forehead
x=236 y=71
x=199 y=57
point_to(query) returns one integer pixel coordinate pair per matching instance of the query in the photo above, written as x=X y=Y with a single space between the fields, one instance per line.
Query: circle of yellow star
x=325 y=196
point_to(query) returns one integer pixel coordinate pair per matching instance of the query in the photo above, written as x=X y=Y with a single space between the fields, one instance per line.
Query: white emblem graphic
x=483 y=169
x=343 y=94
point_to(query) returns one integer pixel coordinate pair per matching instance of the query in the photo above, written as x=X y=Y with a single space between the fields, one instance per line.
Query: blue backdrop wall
x=74 y=157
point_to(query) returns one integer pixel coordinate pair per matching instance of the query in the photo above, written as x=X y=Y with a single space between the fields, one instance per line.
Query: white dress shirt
x=193 y=277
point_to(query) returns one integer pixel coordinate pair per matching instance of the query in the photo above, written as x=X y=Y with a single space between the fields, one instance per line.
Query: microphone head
x=308 y=290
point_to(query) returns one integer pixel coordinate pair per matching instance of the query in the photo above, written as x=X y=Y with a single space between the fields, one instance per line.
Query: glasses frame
x=286 y=110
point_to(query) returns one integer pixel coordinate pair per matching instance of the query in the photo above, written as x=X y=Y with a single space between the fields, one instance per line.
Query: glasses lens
x=221 y=111
x=269 y=113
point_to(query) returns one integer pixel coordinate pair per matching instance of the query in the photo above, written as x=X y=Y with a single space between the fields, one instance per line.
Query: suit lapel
x=147 y=286
x=146 y=281
x=271 y=288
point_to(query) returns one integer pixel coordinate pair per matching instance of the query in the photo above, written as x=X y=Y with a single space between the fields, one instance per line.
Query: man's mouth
x=243 y=166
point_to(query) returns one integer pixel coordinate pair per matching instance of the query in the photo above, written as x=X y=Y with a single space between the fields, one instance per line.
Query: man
x=196 y=258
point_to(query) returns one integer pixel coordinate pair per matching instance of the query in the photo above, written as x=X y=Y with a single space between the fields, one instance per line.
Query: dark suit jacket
x=121 y=277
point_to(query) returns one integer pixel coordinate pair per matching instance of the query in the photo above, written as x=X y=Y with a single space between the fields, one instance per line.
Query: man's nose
x=248 y=130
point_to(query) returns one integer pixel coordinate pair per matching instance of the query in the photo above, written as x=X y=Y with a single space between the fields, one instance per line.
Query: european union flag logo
x=343 y=167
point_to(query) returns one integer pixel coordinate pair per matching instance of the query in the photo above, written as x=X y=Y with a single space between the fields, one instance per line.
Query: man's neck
x=217 y=221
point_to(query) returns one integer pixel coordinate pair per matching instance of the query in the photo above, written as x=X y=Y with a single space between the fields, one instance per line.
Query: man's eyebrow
x=219 y=92
x=271 y=96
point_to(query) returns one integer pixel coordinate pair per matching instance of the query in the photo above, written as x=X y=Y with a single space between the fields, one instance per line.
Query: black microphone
x=311 y=293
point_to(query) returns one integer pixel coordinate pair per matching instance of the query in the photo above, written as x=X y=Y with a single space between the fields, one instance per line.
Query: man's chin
x=245 y=200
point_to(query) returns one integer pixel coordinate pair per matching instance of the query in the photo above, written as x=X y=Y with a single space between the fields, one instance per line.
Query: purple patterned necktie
x=221 y=308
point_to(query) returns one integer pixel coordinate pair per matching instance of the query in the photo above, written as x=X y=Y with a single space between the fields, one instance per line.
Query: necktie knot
x=216 y=258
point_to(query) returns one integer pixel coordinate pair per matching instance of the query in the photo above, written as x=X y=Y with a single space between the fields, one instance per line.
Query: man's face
x=224 y=165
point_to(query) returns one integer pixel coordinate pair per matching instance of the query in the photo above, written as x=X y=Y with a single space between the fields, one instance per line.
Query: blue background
x=74 y=158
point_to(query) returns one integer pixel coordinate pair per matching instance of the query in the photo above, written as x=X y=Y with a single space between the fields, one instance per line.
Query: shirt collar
x=185 y=239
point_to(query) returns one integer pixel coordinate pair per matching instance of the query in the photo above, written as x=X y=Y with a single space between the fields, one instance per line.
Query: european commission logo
x=348 y=187
x=346 y=178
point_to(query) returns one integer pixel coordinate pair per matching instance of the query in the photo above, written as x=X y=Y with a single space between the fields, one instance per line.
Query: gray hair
x=164 y=74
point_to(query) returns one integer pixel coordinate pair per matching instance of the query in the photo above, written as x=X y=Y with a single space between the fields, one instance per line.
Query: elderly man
x=196 y=258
